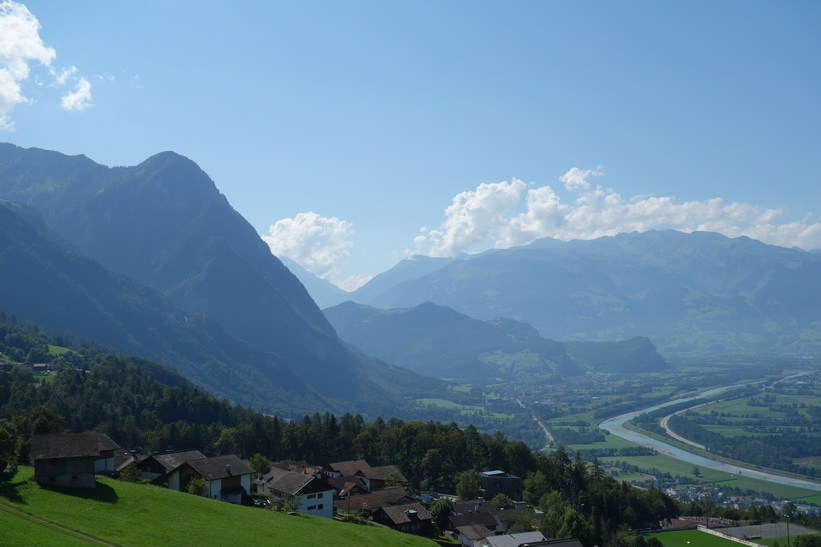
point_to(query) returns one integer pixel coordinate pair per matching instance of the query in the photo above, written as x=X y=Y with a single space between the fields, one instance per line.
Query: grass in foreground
x=133 y=514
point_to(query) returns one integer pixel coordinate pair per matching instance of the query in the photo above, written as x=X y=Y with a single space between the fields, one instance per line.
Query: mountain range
x=440 y=342
x=152 y=260
x=697 y=293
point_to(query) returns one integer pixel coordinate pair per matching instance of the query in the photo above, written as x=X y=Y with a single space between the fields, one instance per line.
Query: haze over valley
x=391 y=256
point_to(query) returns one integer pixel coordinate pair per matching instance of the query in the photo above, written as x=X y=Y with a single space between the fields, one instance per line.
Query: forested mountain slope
x=209 y=298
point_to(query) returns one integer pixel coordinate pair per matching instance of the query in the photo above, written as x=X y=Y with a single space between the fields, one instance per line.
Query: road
x=548 y=435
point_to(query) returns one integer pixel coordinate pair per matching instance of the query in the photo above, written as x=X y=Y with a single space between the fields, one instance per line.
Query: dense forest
x=141 y=405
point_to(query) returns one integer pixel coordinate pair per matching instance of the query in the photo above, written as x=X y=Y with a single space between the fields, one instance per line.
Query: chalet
x=411 y=518
x=71 y=460
x=298 y=466
x=347 y=486
x=472 y=535
x=228 y=477
x=159 y=467
x=373 y=500
x=499 y=482
x=310 y=493
x=485 y=520
x=374 y=478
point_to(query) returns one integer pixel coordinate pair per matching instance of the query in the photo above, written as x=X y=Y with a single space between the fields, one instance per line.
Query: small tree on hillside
x=440 y=510
x=393 y=479
x=260 y=464
x=467 y=487
x=130 y=473
x=502 y=501
x=197 y=486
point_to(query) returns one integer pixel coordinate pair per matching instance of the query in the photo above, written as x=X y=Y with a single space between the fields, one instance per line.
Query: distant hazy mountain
x=164 y=223
x=437 y=341
x=408 y=270
x=698 y=293
x=322 y=291
x=635 y=355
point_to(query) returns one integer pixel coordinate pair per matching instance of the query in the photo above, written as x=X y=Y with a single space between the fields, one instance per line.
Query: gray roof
x=514 y=540
x=485 y=519
x=474 y=532
x=402 y=514
x=221 y=467
x=46 y=447
x=173 y=460
x=349 y=468
x=290 y=482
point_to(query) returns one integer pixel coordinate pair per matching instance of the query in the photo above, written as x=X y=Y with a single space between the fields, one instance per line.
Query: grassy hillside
x=130 y=514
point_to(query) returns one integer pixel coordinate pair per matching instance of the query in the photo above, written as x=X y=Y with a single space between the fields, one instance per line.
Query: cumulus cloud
x=20 y=46
x=318 y=244
x=472 y=217
x=79 y=99
x=488 y=215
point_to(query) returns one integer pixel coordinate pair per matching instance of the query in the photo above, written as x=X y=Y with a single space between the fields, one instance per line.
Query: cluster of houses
x=350 y=486
x=34 y=368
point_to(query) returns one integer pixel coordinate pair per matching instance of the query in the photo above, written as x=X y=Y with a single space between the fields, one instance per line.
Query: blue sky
x=350 y=134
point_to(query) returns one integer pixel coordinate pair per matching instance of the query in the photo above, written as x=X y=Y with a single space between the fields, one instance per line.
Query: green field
x=467 y=410
x=133 y=514
x=57 y=350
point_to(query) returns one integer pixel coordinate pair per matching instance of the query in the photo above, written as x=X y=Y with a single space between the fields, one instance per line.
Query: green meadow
x=134 y=514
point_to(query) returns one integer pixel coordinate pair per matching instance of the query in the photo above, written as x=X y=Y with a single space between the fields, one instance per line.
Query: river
x=616 y=427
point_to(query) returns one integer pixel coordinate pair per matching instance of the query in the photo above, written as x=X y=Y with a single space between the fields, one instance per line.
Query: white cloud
x=21 y=45
x=79 y=99
x=318 y=244
x=485 y=215
x=472 y=217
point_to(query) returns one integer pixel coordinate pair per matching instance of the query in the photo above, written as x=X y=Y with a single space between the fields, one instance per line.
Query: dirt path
x=13 y=511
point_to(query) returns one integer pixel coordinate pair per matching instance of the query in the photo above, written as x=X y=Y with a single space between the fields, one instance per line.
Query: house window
x=311 y=507
x=319 y=495
x=311 y=496
x=320 y=506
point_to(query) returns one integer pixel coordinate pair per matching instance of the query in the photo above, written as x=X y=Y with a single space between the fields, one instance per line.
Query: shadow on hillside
x=102 y=492
x=8 y=490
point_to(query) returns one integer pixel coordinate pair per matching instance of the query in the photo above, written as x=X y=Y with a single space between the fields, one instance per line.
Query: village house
x=504 y=517
x=159 y=467
x=298 y=466
x=460 y=523
x=373 y=500
x=228 y=478
x=374 y=478
x=71 y=460
x=411 y=518
x=347 y=486
x=311 y=494
x=472 y=535
x=499 y=482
